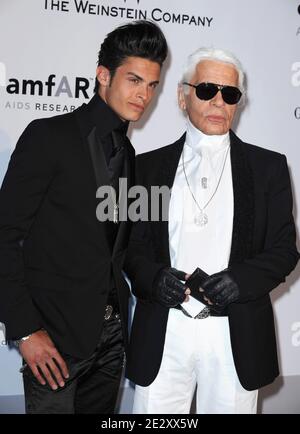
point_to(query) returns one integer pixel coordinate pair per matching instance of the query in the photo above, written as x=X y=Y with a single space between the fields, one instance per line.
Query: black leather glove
x=221 y=289
x=168 y=289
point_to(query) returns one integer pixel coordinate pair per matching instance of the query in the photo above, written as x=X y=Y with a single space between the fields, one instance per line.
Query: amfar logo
x=2 y=334
x=51 y=87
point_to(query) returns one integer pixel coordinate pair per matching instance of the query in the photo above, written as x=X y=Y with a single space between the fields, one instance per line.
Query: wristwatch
x=18 y=341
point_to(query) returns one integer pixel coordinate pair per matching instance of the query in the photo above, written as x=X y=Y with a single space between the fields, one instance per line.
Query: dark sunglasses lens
x=231 y=95
x=206 y=91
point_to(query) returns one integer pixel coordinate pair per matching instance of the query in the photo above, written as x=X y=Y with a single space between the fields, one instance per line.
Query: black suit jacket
x=57 y=262
x=263 y=252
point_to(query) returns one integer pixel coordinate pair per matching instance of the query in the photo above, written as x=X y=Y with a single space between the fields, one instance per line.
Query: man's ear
x=181 y=97
x=103 y=75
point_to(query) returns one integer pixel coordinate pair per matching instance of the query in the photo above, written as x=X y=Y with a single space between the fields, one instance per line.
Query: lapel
x=98 y=158
x=244 y=207
x=89 y=117
x=95 y=120
x=243 y=192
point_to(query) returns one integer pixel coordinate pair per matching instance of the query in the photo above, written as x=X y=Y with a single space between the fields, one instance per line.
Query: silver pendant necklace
x=201 y=218
x=115 y=204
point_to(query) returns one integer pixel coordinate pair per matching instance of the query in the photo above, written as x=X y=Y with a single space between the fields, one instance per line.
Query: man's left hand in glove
x=221 y=289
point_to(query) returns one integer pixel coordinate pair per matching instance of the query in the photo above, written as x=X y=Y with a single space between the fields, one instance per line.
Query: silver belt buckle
x=205 y=312
x=108 y=311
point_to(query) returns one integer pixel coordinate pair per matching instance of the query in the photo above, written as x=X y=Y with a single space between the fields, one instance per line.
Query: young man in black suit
x=230 y=213
x=63 y=294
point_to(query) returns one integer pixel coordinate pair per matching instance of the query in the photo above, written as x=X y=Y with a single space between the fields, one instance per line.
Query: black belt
x=205 y=312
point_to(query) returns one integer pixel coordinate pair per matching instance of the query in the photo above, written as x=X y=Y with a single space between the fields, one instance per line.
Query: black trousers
x=93 y=385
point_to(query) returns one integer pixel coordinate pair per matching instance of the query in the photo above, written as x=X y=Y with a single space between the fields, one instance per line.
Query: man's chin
x=216 y=130
x=135 y=117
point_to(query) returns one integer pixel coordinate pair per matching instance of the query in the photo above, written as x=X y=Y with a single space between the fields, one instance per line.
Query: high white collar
x=204 y=144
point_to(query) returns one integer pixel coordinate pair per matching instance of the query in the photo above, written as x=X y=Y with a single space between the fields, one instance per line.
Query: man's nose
x=143 y=93
x=217 y=100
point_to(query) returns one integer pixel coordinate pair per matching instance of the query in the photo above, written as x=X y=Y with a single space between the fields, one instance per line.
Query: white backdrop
x=40 y=38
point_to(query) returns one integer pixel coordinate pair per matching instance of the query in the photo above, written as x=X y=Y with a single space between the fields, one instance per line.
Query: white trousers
x=197 y=352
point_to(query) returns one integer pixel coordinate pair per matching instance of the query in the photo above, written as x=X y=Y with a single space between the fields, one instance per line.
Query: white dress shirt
x=191 y=245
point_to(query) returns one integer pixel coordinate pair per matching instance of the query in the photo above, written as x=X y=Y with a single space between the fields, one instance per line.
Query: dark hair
x=139 y=39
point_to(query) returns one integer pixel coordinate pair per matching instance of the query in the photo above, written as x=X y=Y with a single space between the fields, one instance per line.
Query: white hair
x=217 y=54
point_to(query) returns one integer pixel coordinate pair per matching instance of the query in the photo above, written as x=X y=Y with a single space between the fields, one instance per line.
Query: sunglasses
x=206 y=91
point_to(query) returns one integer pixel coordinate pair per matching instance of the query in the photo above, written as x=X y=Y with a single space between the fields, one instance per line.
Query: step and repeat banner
x=48 y=54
